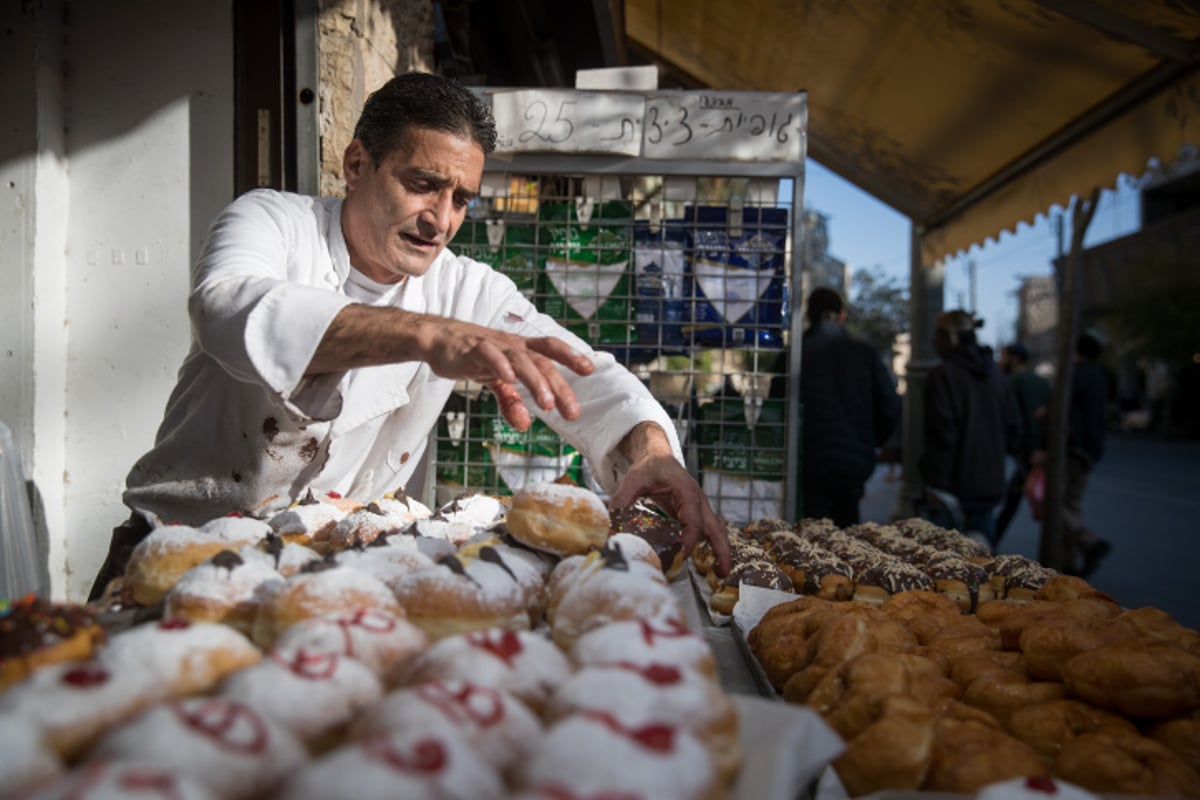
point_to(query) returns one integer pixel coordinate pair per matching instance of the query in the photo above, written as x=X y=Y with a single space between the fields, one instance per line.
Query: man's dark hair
x=421 y=100
x=824 y=303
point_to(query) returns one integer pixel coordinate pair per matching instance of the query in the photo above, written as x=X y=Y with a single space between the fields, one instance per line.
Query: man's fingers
x=563 y=353
x=512 y=407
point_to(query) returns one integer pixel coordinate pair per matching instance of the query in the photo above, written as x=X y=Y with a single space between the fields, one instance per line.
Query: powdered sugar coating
x=498 y=725
x=228 y=746
x=473 y=509
x=289 y=559
x=119 y=780
x=643 y=642
x=25 y=756
x=325 y=590
x=524 y=663
x=455 y=595
x=189 y=657
x=312 y=694
x=214 y=593
x=388 y=564
x=307 y=520
x=384 y=642
x=590 y=753
x=412 y=764
x=69 y=704
x=237 y=528
x=607 y=595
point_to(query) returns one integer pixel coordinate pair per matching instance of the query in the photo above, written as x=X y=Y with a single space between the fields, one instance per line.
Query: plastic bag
x=1035 y=490
x=18 y=547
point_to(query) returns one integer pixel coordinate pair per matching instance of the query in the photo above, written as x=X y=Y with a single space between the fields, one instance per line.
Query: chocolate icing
x=492 y=556
x=452 y=563
x=227 y=559
x=613 y=558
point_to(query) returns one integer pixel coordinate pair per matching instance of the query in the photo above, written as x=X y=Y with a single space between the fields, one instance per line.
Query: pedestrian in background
x=1032 y=393
x=850 y=408
x=1086 y=422
x=971 y=425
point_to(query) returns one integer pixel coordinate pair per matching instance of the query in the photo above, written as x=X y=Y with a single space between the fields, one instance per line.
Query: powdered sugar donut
x=402 y=505
x=226 y=589
x=187 y=657
x=68 y=705
x=456 y=596
x=475 y=510
x=388 y=562
x=616 y=591
x=168 y=551
x=286 y=558
x=322 y=587
x=364 y=526
x=559 y=518
x=495 y=723
x=315 y=695
x=410 y=764
x=639 y=696
x=644 y=642
x=524 y=566
x=591 y=752
x=228 y=746
x=521 y=662
x=383 y=642
x=309 y=519
x=635 y=548
x=25 y=756
x=120 y=780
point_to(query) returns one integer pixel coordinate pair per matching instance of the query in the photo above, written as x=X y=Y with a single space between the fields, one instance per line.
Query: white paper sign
x=725 y=126
x=549 y=120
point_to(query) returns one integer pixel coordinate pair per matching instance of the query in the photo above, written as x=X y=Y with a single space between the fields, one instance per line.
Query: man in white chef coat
x=327 y=335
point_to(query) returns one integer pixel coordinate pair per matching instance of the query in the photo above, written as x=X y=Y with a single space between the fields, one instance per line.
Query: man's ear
x=355 y=161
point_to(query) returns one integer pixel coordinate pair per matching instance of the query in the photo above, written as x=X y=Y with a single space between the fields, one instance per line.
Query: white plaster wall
x=148 y=107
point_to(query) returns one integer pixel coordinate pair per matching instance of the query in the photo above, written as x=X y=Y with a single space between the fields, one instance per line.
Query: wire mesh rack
x=684 y=272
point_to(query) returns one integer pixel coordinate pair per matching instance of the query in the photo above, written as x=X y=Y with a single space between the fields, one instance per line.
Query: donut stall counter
x=530 y=646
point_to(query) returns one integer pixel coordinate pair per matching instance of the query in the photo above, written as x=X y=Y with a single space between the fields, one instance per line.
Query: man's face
x=399 y=216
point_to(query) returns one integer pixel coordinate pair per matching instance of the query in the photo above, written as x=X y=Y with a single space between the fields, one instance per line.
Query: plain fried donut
x=1182 y=735
x=558 y=518
x=1000 y=696
x=1048 y=727
x=1126 y=764
x=968 y=755
x=893 y=752
x=1153 y=679
x=1049 y=644
x=915 y=603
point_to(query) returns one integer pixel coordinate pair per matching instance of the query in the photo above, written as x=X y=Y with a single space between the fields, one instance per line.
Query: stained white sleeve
x=256 y=307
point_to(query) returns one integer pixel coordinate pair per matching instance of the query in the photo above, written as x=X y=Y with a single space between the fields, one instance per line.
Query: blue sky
x=866 y=233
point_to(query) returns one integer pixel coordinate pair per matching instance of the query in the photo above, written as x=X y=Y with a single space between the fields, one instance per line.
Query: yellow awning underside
x=969 y=116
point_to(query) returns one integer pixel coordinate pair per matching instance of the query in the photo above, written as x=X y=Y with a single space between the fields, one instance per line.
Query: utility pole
x=972 y=286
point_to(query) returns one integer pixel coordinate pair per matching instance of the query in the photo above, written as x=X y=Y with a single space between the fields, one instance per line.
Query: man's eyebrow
x=440 y=181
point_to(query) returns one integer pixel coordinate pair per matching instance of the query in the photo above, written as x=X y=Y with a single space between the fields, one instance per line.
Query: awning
x=968 y=116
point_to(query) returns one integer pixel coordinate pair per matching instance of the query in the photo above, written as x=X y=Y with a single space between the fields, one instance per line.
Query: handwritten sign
x=568 y=121
x=724 y=126
x=705 y=125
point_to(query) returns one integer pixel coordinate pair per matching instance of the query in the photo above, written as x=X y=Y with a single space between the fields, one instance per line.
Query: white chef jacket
x=245 y=430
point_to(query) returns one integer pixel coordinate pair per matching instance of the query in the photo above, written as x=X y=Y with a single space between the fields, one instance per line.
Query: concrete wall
x=119 y=155
x=362 y=44
x=116 y=153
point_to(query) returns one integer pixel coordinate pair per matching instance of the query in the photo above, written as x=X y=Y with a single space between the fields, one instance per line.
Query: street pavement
x=1144 y=497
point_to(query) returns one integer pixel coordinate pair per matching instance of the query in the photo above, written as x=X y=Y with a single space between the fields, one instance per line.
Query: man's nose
x=439 y=211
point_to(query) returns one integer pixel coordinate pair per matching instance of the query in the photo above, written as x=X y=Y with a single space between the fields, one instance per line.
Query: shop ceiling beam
x=1122 y=27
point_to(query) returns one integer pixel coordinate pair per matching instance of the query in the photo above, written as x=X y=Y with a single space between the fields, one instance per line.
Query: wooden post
x=1053 y=550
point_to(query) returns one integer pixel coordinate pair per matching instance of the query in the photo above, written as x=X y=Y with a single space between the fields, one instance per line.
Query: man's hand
x=362 y=336
x=655 y=474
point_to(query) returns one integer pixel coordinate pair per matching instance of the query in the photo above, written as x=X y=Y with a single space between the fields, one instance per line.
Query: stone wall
x=363 y=43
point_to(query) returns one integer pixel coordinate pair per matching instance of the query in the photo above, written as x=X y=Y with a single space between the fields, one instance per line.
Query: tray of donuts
x=535 y=649
x=1064 y=686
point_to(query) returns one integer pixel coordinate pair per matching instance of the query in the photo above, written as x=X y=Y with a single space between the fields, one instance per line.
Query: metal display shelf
x=685 y=271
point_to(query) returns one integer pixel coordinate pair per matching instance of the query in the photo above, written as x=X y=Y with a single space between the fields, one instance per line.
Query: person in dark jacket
x=850 y=407
x=1085 y=448
x=971 y=424
x=1032 y=393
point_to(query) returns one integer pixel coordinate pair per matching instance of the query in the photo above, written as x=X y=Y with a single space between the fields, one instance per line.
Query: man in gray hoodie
x=971 y=423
